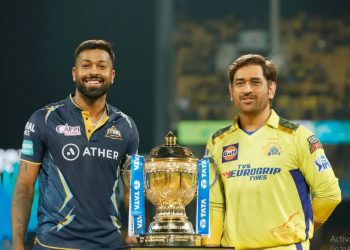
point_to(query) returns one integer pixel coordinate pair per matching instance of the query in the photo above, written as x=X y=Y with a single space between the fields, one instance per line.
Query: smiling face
x=93 y=73
x=250 y=91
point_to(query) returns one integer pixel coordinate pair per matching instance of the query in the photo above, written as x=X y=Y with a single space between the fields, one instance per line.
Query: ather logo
x=70 y=152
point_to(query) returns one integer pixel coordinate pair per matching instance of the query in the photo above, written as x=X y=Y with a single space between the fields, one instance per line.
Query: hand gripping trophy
x=170 y=177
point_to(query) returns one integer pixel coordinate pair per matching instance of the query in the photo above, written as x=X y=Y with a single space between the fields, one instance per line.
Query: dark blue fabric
x=249 y=132
x=299 y=246
x=304 y=195
x=78 y=205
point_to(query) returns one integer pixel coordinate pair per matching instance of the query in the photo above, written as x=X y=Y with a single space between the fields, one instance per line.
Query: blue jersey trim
x=299 y=246
x=304 y=195
x=249 y=132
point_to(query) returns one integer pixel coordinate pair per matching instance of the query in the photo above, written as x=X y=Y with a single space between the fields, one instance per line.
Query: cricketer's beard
x=92 y=93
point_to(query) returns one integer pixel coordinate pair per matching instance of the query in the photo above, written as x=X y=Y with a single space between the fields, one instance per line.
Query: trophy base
x=171 y=239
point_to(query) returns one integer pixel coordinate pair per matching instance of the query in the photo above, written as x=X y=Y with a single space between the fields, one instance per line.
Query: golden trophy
x=170 y=183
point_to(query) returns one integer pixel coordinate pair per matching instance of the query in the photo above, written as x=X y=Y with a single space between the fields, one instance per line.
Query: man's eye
x=102 y=66
x=239 y=83
x=256 y=82
x=85 y=66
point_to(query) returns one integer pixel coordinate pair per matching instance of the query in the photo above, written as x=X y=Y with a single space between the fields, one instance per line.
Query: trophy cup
x=170 y=176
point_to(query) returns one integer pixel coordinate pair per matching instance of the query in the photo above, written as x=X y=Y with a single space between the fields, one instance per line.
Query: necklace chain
x=94 y=124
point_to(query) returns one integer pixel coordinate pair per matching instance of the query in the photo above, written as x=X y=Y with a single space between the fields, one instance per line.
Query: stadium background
x=171 y=61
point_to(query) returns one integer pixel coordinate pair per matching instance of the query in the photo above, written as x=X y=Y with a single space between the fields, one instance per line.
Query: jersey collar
x=71 y=103
x=273 y=121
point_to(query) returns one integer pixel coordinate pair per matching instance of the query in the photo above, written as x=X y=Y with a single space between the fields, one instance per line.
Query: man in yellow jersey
x=268 y=170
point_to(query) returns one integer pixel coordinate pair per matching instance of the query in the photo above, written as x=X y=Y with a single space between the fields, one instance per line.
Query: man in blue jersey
x=75 y=147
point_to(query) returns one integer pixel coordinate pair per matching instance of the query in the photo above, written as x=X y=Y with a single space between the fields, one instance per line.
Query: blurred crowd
x=313 y=59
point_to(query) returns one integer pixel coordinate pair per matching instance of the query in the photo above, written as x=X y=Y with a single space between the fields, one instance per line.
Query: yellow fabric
x=217 y=219
x=323 y=207
x=36 y=163
x=256 y=191
x=89 y=128
x=37 y=241
x=304 y=245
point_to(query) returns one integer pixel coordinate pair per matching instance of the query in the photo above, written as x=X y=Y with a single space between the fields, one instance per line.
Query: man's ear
x=230 y=90
x=272 y=90
x=74 y=71
x=113 y=75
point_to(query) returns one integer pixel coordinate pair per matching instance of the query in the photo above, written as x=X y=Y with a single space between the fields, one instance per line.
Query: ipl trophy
x=169 y=179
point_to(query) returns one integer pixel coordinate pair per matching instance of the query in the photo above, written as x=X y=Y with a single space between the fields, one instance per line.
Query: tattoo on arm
x=24 y=167
x=21 y=206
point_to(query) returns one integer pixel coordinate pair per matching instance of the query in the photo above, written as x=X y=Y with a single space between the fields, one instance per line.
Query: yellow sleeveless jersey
x=263 y=195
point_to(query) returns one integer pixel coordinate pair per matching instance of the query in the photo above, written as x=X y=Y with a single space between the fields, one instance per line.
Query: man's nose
x=247 y=88
x=94 y=70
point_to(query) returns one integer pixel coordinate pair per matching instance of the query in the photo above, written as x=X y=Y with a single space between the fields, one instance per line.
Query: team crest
x=230 y=153
x=314 y=144
x=274 y=151
x=113 y=133
x=272 y=148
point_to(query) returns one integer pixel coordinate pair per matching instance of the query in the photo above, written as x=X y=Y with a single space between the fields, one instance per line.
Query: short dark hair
x=95 y=44
x=269 y=69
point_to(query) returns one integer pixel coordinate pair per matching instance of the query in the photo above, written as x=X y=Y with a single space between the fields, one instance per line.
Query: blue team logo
x=27 y=147
x=322 y=163
x=272 y=148
x=274 y=151
x=230 y=153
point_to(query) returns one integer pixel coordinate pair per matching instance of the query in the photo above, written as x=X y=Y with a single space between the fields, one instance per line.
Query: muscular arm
x=22 y=202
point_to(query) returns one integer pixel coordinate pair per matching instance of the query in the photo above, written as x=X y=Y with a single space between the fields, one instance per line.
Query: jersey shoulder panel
x=37 y=116
x=128 y=124
x=287 y=126
x=220 y=132
x=54 y=104
x=119 y=114
x=47 y=110
x=40 y=116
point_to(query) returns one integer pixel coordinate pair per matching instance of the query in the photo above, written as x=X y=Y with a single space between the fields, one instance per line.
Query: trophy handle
x=215 y=166
x=126 y=165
